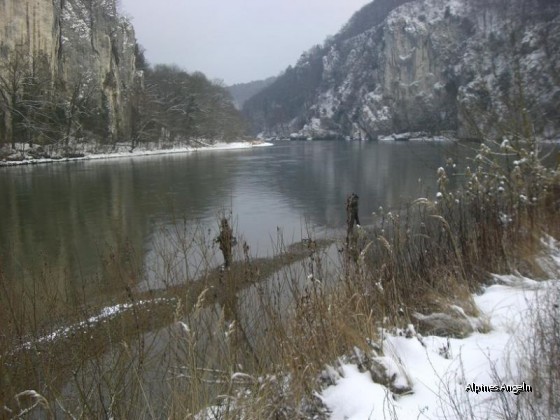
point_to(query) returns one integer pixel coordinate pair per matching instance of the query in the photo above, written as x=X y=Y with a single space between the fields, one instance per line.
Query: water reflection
x=75 y=216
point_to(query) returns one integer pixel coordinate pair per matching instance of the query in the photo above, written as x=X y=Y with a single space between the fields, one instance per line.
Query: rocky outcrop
x=28 y=22
x=98 y=48
x=90 y=51
x=480 y=68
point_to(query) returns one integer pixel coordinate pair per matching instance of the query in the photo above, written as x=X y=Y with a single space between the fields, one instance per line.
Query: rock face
x=90 y=51
x=480 y=68
x=30 y=22
x=97 y=46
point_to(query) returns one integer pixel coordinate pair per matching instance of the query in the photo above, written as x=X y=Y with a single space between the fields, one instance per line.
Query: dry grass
x=541 y=358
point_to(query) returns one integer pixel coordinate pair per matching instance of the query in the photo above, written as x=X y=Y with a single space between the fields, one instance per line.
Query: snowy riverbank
x=418 y=136
x=123 y=151
x=484 y=375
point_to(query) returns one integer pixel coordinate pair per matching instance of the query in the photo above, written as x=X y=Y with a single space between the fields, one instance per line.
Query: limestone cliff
x=28 y=22
x=97 y=46
x=90 y=51
x=472 y=66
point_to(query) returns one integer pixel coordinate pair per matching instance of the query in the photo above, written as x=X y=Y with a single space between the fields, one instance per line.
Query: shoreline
x=136 y=153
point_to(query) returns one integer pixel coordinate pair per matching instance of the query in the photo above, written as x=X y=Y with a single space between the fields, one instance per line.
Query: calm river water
x=71 y=218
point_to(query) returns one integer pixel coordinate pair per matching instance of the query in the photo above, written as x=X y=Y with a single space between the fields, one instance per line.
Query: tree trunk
x=8 y=127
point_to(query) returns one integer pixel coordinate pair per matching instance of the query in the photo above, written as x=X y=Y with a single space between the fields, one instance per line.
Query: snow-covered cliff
x=477 y=67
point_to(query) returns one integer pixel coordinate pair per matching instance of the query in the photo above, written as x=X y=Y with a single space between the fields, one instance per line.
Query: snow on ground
x=143 y=152
x=440 y=369
x=104 y=315
x=414 y=137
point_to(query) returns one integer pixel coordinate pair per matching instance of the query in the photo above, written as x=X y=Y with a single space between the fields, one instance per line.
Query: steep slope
x=241 y=92
x=71 y=51
x=98 y=46
x=30 y=22
x=477 y=67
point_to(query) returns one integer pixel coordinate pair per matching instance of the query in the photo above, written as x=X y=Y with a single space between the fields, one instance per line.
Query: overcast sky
x=235 y=40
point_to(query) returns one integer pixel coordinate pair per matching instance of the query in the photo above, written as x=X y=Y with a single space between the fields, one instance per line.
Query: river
x=71 y=218
x=78 y=232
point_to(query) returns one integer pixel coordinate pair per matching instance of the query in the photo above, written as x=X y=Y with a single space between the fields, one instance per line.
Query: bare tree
x=12 y=75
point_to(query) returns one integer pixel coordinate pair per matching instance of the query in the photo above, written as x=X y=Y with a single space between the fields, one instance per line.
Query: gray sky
x=235 y=40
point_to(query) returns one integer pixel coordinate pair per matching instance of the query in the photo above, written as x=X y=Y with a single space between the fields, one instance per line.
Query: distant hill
x=241 y=92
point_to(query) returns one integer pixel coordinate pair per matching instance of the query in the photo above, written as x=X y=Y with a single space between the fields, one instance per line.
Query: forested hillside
x=241 y=92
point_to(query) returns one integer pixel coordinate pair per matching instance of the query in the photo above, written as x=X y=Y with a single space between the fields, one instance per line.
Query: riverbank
x=502 y=367
x=25 y=155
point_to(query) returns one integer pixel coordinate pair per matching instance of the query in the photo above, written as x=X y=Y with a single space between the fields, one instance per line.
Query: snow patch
x=440 y=369
x=105 y=314
x=123 y=152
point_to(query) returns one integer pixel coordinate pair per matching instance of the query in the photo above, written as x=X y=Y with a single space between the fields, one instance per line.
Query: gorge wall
x=88 y=51
x=479 y=68
x=29 y=22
